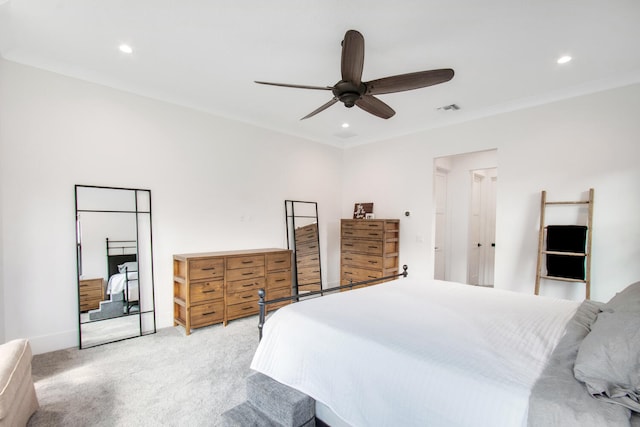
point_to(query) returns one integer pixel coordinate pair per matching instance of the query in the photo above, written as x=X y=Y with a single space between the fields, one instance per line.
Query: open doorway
x=464 y=197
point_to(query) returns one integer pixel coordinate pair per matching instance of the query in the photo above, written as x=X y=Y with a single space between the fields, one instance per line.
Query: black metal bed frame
x=295 y=298
x=113 y=260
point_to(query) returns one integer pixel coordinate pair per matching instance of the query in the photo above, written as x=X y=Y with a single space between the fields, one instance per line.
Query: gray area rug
x=164 y=379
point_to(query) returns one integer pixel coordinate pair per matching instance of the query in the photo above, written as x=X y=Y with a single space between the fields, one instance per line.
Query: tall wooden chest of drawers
x=216 y=287
x=308 y=258
x=369 y=249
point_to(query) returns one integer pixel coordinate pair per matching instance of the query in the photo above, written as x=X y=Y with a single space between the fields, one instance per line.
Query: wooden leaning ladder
x=587 y=253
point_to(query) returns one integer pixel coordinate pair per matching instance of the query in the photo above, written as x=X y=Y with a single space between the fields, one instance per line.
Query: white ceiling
x=205 y=54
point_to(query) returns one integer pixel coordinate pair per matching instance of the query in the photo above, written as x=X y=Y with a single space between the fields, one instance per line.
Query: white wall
x=216 y=185
x=565 y=147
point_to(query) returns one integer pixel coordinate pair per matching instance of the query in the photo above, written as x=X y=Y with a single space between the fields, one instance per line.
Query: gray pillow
x=627 y=299
x=608 y=359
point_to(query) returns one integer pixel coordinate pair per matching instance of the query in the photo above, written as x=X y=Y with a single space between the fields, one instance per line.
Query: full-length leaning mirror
x=114 y=255
x=304 y=240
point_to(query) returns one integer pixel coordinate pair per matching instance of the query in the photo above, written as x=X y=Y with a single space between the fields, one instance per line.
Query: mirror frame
x=141 y=209
x=291 y=227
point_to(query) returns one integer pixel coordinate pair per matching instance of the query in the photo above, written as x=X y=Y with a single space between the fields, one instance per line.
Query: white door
x=440 y=195
x=482 y=227
x=491 y=228
x=474 y=261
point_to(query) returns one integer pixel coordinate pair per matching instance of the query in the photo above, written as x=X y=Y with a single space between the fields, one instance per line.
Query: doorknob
x=479 y=244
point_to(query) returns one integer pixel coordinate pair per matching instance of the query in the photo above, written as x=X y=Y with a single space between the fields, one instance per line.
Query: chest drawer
x=207 y=314
x=275 y=294
x=278 y=261
x=206 y=291
x=362 y=225
x=236 y=311
x=252 y=284
x=363 y=246
x=280 y=279
x=245 y=261
x=245 y=273
x=359 y=274
x=361 y=260
x=363 y=233
x=244 y=296
x=207 y=268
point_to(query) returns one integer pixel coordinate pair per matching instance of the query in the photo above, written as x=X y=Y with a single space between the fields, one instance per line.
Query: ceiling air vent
x=450 y=107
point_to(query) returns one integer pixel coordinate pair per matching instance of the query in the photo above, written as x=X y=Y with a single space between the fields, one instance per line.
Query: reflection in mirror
x=115 y=264
x=304 y=240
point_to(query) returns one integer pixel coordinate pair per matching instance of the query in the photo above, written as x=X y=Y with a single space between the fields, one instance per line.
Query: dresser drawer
x=362 y=260
x=278 y=261
x=363 y=246
x=206 y=291
x=206 y=314
x=245 y=273
x=280 y=279
x=244 y=296
x=362 y=225
x=207 y=268
x=363 y=233
x=359 y=274
x=245 y=261
x=278 y=293
x=241 y=310
x=252 y=284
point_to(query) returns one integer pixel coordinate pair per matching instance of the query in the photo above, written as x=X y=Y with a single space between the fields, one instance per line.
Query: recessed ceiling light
x=564 y=59
x=345 y=125
x=125 y=48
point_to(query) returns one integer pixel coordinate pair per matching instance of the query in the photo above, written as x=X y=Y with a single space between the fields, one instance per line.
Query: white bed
x=416 y=353
x=120 y=282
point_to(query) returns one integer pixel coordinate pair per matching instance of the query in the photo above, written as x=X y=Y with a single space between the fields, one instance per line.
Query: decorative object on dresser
x=215 y=287
x=91 y=293
x=369 y=249
x=304 y=239
x=363 y=210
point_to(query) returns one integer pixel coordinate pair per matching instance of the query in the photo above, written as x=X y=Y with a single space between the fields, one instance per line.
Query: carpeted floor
x=164 y=379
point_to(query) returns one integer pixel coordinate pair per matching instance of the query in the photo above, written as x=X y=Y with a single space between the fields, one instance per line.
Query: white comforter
x=421 y=353
x=118 y=282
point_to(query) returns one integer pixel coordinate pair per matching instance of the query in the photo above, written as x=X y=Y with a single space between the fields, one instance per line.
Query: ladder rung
x=564 y=253
x=563 y=279
x=579 y=202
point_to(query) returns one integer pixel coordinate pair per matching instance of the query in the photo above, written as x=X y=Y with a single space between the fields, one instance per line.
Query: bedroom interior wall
x=216 y=184
x=564 y=147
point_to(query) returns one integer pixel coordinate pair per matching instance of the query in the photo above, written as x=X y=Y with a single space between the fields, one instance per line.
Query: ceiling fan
x=351 y=90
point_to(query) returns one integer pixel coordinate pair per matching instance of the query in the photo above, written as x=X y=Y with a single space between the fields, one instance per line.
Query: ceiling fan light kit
x=351 y=90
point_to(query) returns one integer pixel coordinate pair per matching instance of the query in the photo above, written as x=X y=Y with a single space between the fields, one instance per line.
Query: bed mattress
x=416 y=352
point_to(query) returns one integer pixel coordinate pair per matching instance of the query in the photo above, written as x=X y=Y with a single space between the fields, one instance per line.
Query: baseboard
x=53 y=342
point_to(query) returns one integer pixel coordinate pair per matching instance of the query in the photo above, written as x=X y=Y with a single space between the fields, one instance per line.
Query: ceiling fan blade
x=352 y=57
x=296 y=86
x=408 y=81
x=373 y=105
x=321 y=108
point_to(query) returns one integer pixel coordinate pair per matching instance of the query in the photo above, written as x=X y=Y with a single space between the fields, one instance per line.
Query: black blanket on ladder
x=566 y=238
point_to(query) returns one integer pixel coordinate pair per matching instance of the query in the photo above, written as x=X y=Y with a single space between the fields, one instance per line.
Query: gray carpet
x=164 y=379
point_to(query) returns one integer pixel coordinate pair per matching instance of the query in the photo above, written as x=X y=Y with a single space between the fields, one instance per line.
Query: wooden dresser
x=369 y=249
x=91 y=293
x=216 y=287
x=308 y=258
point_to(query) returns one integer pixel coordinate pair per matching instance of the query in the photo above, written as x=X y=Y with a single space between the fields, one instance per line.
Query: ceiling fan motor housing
x=348 y=92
